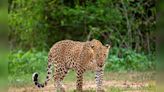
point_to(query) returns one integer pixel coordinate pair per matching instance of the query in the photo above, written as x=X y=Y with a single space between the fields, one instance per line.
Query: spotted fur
x=80 y=56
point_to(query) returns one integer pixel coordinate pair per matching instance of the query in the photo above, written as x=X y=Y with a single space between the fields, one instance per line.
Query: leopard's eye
x=97 y=55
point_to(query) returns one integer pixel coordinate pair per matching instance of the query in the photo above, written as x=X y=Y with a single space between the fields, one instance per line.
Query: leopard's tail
x=48 y=77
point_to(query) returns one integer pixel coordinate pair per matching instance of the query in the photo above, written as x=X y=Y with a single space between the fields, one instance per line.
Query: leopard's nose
x=100 y=64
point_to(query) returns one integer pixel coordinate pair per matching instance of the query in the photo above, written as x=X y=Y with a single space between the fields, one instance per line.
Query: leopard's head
x=100 y=52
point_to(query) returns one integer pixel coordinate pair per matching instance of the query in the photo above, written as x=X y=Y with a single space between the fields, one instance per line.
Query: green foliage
x=39 y=24
x=21 y=63
x=27 y=23
x=128 y=60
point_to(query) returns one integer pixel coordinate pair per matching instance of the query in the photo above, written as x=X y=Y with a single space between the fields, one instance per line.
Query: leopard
x=78 y=56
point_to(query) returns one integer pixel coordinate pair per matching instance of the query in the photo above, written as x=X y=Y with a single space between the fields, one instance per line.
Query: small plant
x=128 y=60
x=27 y=62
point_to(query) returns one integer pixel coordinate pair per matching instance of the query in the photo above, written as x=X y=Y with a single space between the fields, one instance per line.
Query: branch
x=89 y=35
x=128 y=24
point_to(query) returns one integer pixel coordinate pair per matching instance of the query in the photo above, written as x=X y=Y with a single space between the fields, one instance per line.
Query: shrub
x=27 y=62
x=128 y=60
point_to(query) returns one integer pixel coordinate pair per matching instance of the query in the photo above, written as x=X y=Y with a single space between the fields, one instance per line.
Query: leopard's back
x=66 y=52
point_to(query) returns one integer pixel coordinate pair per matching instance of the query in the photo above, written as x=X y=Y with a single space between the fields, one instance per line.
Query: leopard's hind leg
x=60 y=72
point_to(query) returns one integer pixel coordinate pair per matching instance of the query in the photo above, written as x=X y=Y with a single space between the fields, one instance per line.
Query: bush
x=128 y=60
x=21 y=63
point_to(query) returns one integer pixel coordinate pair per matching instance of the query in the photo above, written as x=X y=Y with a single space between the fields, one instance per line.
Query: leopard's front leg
x=99 y=80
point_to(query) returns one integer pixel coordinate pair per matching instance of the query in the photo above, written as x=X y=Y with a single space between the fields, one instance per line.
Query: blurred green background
x=127 y=25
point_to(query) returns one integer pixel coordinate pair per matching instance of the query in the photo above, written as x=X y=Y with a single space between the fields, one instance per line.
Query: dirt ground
x=88 y=85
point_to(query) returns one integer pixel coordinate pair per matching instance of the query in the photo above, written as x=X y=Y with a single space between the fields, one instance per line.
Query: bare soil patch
x=88 y=85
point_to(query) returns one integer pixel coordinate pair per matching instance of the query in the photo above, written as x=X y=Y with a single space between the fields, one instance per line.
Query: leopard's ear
x=108 y=46
x=89 y=44
x=92 y=46
x=93 y=40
